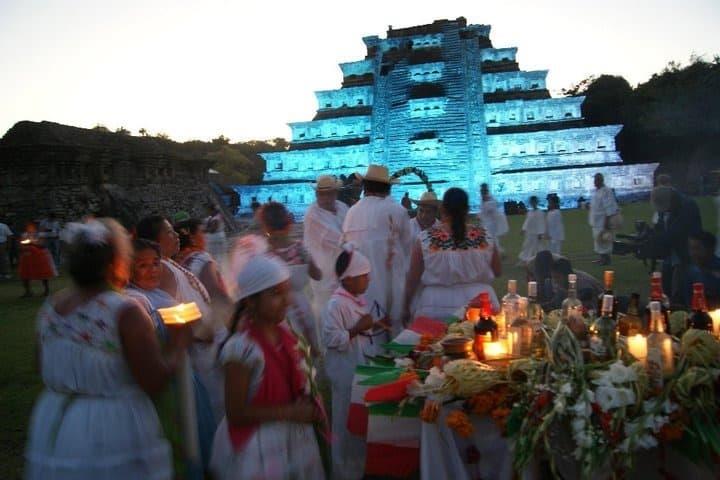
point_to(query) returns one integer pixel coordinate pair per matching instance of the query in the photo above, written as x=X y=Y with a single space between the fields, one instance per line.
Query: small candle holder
x=181 y=314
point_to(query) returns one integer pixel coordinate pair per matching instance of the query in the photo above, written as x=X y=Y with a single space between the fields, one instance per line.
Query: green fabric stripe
x=391 y=409
x=368 y=370
x=451 y=319
x=382 y=377
x=382 y=361
x=398 y=348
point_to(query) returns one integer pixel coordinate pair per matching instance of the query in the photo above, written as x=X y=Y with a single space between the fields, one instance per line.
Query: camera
x=643 y=244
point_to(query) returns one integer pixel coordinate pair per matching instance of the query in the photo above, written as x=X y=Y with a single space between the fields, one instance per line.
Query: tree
x=143 y=132
x=221 y=140
x=122 y=131
x=100 y=128
x=162 y=136
x=605 y=99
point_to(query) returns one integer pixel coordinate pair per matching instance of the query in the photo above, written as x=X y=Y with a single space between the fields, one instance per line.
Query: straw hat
x=378 y=173
x=325 y=183
x=427 y=198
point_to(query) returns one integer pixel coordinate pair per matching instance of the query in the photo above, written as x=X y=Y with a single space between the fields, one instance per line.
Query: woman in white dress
x=275 y=223
x=450 y=264
x=99 y=359
x=185 y=287
x=534 y=229
x=267 y=431
x=491 y=217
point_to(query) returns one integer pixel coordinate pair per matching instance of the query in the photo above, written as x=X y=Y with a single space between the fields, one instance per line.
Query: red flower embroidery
x=443 y=236
x=473 y=234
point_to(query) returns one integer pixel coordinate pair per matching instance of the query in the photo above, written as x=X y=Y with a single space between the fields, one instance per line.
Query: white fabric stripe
x=394 y=430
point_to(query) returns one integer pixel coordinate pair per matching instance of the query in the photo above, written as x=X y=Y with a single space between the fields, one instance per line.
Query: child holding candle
x=267 y=431
x=347 y=325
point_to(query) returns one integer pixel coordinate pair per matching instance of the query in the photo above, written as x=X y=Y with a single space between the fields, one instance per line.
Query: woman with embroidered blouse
x=100 y=361
x=450 y=264
x=185 y=287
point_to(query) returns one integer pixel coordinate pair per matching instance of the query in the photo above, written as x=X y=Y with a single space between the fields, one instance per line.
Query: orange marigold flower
x=460 y=423
x=430 y=411
x=482 y=403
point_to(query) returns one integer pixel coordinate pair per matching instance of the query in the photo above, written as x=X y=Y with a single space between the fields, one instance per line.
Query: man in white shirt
x=322 y=234
x=5 y=238
x=427 y=214
x=492 y=219
x=602 y=208
x=380 y=228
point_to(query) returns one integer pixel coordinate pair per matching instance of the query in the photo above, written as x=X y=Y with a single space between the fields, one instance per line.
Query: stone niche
x=47 y=167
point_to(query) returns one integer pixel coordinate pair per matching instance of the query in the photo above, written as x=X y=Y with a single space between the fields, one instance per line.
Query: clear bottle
x=657 y=295
x=535 y=319
x=699 y=318
x=603 y=343
x=572 y=310
x=608 y=280
x=520 y=332
x=510 y=307
x=660 y=360
x=485 y=327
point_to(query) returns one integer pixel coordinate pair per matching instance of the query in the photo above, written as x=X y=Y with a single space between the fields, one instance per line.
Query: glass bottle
x=631 y=323
x=657 y=295
x=699 y=318
x=535 y=319
x=603 y=344
x=485 y=328
x=660 y=360
x=520 y=333
x=510 y=305
x=608 y=280
x=572 y=311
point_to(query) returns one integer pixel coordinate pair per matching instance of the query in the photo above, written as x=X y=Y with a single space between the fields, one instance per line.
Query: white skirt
x=92 y=437
x=276 y=451
x=440 y=301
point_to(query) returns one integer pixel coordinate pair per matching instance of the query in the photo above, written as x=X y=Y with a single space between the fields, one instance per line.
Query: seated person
x=539 y=270
x=705 y=268
x=588 y=287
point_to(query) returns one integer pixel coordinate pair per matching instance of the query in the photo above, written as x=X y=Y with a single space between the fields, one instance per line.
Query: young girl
x=534 y=229
x=267 y=431
x=36 y=263
x=555 y=229
x=275 y=222
x=346 y=326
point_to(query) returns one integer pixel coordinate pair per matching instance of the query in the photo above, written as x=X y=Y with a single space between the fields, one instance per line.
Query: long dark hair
x=150 y=227
x=455 y=205
x=240 y=308
x=186 y=229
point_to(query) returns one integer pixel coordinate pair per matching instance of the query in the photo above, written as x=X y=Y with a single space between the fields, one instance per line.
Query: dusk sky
x=197 y=69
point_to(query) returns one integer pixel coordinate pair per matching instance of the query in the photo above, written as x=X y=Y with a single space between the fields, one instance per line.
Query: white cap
x=607 y=303
x=512 y=286
x=572 y=277
x=359 y=264
x=655 y=307
x=259 y=273
x=532 y=289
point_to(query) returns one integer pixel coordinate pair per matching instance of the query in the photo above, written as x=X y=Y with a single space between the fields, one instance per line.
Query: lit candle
x=495 y=350
x=715 y=315
x=27 y=241
x=180 y=314
x=512 y=338
x=668 y=359
x=637 y=346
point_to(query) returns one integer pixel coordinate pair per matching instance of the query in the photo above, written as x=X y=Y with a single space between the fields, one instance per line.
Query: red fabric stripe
x=357 y=422
x=391 y=461
x=429 y=326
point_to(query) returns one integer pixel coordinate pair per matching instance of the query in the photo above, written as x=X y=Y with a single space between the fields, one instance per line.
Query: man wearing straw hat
x=427 y=214
x=380 y=228
x=322 y=233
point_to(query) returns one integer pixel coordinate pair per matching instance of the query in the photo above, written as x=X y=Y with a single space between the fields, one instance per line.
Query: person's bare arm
x=240 y=412
x=148 y=366
x=211 y=279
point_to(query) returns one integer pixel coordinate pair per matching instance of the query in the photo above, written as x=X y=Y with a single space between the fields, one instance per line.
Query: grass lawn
x=20 y=384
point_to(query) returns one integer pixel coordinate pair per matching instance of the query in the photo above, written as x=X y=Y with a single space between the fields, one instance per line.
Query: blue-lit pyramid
x=442 y=99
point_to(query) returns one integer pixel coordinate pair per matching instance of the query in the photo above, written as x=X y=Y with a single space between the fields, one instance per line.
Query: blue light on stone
x=441 y=98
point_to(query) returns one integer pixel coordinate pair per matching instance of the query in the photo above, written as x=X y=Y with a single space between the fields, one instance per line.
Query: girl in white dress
x=267 y=431
x=450 y=264
x=185 y=287
x=275 y=222
x=99 y=359
x=347 y=325
x=555 y=228
x=534 y=230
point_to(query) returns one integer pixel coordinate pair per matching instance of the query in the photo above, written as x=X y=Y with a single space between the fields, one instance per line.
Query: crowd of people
x=352 y=282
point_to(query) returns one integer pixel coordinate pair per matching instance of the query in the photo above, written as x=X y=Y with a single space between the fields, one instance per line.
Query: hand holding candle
x=181 y=314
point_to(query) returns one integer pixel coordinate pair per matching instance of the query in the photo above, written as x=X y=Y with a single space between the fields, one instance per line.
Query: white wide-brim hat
x=427 y=198
x=379 y=173
x=326 y=183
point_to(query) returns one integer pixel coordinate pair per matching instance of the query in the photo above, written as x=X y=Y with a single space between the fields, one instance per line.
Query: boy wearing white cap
x=427 y=214
x=347 y=334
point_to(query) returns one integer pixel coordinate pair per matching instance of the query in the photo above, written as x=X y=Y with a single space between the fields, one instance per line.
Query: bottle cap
x=656 y=275
x=572 y=277
x=655 y=307
x=698 y=287
x=607 y=303
x=532 y=289
x=512 y=286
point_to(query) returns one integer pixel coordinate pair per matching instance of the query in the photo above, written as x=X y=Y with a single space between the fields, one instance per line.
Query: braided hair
x=455 y=205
